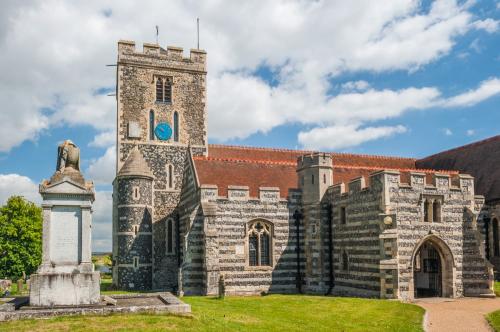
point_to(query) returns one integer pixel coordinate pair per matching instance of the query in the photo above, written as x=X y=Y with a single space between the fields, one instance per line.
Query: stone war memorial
x=66 y=275
x=66 y=282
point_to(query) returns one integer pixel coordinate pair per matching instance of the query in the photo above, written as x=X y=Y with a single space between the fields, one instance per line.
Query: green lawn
x=497 y=288
x=256 y=313
x=494 y=319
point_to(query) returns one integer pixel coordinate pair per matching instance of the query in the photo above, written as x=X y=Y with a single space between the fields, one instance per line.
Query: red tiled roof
x=263 y=167
x=480 y=159
x=252 y=153
x=254 y=174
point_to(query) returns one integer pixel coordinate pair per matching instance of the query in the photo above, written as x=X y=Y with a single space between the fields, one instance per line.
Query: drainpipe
x=178 y=240
x=180 y=291
x=298 y=216
x=330 y=249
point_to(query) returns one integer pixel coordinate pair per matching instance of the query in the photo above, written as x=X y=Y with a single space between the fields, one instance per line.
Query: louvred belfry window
x=164 y=89
x=259 y=244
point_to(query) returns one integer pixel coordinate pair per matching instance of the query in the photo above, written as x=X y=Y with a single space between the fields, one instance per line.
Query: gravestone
x=66 y=275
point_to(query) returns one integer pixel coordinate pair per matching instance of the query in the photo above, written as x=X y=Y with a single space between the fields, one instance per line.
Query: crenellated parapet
x=417 y=180
x=240 y=193
x=154 y=54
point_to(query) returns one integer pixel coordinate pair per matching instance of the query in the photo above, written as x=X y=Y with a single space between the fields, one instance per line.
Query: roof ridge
x=375 y=156
x=244 y=147
x=255 y=161
x=241 y=147
x=489 y=139
x=416 y=170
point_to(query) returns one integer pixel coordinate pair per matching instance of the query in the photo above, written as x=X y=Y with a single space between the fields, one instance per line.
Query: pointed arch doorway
x=433 y=269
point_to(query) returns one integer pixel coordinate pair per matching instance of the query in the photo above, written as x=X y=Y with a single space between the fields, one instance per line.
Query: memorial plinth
x=66 y=275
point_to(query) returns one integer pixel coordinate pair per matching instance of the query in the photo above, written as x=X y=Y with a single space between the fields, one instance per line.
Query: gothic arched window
x=259 y=243
x=151 y=125
x=176 y=127
x=159 y=89
x=164 y=89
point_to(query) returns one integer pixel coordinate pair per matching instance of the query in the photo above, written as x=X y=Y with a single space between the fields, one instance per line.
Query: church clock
x=163 y=131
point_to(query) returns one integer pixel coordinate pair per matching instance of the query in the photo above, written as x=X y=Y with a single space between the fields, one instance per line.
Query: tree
x=20 y=238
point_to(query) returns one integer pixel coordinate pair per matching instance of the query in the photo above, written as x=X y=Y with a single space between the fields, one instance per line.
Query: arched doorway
x=432 y=268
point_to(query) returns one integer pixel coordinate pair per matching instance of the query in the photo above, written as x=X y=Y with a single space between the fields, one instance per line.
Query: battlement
x=240 y=193
x=316 y=159
x=127 y=49
x=418 y=180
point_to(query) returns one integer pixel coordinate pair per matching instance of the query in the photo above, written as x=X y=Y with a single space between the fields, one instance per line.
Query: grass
x=256 y=313
x=497 y=288
x=494 y=319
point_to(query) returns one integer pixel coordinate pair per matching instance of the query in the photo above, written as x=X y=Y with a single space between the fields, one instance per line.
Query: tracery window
x=259 y=243
x=164 y=89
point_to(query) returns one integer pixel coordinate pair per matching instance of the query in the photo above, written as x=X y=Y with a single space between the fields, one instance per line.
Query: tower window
x=135 y=193
x=164 y=89
x=159 y=89
x=168 y=91
x=324 y=178
x=151 y=125
x=136 y=229
x=176 y=127
x=259 y=244
x=312 y=178
x=170 y=176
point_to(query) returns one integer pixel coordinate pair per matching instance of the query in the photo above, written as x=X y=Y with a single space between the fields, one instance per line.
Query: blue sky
x=410 y=79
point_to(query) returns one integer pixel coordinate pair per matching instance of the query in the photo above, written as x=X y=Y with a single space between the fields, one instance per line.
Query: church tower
x=161 y=114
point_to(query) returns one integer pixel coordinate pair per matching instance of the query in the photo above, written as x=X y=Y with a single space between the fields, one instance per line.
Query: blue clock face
x=163 y=131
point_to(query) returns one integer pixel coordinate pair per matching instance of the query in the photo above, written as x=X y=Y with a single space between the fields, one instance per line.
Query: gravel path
x=457 y=315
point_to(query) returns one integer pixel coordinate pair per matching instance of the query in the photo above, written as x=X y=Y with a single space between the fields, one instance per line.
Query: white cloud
x=59 y=69
x=101 y=224
x=447 y=131
x=474 y=45
x=19 y=185
x=104 y=140
x=470 y=132
x=355 y=86
x=488 y=88
x=340 y=137
x=102 y=169
x=488 y=25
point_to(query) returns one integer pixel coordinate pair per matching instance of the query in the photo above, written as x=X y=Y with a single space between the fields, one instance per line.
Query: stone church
x=188 y=215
